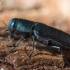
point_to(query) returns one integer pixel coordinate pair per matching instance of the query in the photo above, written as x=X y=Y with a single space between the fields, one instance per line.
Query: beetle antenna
x=5 y=31
x=4 y=23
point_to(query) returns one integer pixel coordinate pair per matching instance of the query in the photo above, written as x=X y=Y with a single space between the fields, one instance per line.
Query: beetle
x=39 y=32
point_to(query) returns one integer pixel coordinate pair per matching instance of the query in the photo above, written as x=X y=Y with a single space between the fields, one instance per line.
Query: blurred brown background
x=55 y=13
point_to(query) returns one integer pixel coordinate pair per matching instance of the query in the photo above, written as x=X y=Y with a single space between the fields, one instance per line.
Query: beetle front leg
x=15 y=45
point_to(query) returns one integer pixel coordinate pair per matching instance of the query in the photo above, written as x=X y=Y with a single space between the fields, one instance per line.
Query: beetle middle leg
x=33 y=39
x=15 y=45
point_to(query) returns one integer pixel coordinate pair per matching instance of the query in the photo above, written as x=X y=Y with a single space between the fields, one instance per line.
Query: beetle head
x=11 y=26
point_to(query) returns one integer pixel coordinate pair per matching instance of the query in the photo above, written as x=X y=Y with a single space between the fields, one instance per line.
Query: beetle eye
x=12 y=26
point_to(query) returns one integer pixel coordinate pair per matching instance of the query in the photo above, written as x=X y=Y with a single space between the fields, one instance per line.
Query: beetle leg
x=64 y=58
x=11 y=36
x=15 y=45
x=32 y=46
